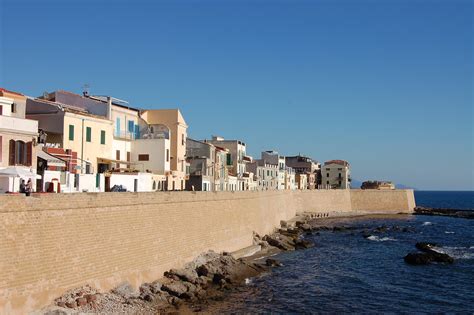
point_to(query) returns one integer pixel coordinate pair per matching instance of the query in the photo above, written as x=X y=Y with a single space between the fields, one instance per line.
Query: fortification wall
x=54 y=242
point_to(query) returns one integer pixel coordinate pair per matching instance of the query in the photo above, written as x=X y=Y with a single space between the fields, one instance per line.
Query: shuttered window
x=102 y=137
x=88 y=134
x=29 y=153
x=11 y=155
x=71 y=132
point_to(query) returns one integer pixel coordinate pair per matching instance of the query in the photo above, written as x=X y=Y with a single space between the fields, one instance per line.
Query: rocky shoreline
x=456 y=213
x=208 y=276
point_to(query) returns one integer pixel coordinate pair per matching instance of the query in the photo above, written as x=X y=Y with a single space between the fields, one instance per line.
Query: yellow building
x=173 y=119
x=73 y=128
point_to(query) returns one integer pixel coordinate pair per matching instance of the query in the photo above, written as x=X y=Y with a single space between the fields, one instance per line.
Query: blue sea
x=347 y=273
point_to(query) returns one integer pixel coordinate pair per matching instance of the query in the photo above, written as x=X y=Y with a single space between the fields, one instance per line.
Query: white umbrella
x=18 y=172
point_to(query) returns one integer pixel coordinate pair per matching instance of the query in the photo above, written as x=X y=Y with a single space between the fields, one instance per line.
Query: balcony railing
x=127 y=135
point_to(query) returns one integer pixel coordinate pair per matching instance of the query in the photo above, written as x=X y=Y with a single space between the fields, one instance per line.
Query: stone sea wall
x=51 y=243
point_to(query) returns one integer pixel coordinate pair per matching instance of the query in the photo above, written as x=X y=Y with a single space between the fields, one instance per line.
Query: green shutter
x=102 y=137
x=71 y=132
x=229 y=159
x=88 y=134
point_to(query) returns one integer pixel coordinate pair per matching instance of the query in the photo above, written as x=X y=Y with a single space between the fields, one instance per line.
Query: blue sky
x=386 y=85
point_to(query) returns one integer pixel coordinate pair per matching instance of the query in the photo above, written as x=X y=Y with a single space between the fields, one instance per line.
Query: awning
x=16 y=171
x=51 y=159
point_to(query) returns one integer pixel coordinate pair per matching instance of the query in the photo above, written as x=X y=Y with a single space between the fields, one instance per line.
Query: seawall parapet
x=50 y=243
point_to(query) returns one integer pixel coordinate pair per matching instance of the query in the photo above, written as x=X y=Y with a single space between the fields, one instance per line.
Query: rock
x=126 y=291
x=381 y=229
x=81 y=301
x=339 y=229
x=188 y=275
x=302 y=244
x=280 y=241
x=428 y=257
x=175 y=288
x=91 y=298
x=71 y=304
x=148 y=297
x=202 y=270
x=61 y=304
x=305 y=227
x=270 y=262
x=417 y=259
x=441 y=257
x=425 y=246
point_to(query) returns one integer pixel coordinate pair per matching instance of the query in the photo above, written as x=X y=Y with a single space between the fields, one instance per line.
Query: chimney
x=109 y=107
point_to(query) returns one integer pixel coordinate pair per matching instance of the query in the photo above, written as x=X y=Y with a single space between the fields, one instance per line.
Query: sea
x=348 y=273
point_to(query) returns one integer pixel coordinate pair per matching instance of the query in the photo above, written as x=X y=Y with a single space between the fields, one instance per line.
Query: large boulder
x=417 y=259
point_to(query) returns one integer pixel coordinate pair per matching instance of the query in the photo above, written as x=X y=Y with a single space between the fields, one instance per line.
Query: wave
x=456 y=252
x=448 y=232
x=380 y=239
x=427 y=223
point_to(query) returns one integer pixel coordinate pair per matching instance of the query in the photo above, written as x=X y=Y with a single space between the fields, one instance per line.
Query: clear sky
x=386 y=85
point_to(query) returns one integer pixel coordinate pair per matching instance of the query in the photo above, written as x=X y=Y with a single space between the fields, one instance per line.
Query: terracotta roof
x=11 y=92
x=340 y=162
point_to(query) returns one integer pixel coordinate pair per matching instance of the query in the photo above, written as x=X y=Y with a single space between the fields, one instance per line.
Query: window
x=143 y=157
x=131 y=126
x=20 y=153
x=327 y=175
x=102 y=137
x=117 y=126
x=129 y=156
x=182 y=139
x=229 y=159
x=327 y=182
x=167 y=155
x=117 y=157
x=13 y=108
x=71 y=132
x=88 y=134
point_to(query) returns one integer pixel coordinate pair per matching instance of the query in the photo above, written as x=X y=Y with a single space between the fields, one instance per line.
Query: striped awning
x=50 y=159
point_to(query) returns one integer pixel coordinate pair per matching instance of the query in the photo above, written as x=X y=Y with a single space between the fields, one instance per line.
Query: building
x=272 y=157
x=74 y=135
x=174 y=120
x=306 y=166
x=336 y=174
x=139 y=157
x=237 y=159
x=18 y=142
x=202 y=171
x=265 y=174
x=380 y=185
x=221 y=169
x=290 y=179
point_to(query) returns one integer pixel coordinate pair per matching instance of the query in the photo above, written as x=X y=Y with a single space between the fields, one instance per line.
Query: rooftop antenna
x=85 y=89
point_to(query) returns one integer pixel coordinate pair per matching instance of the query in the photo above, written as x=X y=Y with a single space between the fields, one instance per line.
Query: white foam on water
x=427 y=223
x=456 y=252
x=248 y=281
x=448 y=232
x=380 y=239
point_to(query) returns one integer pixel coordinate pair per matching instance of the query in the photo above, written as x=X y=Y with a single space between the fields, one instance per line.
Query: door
x=107 y=183
x=135 y=185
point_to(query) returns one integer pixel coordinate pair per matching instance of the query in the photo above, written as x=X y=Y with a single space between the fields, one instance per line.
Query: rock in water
x=425 y=246
x=417 y=259
x=270 y=262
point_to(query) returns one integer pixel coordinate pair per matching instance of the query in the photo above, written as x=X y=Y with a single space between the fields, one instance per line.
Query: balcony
x=124 y=135
x=19 y=125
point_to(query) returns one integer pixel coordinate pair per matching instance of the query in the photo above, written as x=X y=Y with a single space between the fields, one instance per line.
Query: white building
x=18 y=139
x=336 y=174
